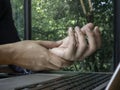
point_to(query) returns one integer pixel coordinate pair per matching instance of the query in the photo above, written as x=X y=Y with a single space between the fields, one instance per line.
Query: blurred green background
x=51 y=19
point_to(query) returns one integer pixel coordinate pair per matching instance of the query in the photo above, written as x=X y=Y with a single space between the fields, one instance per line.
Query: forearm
x=6 y=54
x=31 y=55
x=42 y=60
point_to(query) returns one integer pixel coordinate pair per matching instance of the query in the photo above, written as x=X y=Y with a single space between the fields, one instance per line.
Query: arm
x=5 y=54
x=31 y=55
x=36 y=55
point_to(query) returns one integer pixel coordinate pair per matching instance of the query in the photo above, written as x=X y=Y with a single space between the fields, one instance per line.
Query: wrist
x=59 y=62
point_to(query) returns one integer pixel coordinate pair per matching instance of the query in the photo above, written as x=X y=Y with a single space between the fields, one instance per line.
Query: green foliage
x=18 y=15
x=51 y=19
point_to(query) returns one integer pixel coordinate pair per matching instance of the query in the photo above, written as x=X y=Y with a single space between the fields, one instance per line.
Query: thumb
x=49 y=44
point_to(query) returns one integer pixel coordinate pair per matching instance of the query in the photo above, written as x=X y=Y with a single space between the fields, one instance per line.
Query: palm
x=61 y=50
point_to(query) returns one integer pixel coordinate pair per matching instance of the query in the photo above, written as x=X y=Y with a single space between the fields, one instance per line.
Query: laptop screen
x=114 y=83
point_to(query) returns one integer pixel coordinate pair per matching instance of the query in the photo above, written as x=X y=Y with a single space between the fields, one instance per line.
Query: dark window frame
x=116 y=32
x=27 y=20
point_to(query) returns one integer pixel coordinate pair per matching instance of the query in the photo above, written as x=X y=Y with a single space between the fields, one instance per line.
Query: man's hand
x=85 y=41
x=68 y=47
x=33 y=55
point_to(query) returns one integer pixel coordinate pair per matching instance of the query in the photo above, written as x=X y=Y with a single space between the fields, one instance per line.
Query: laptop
x=114 y=83
x=63 y=81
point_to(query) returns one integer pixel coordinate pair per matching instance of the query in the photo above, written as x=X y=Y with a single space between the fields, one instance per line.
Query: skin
x=49 y=55
x=32 y=55
x=80 y=49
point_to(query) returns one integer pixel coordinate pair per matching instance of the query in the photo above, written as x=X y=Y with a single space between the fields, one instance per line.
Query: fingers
x=89 y=25
x=71 y=39
x=97 y=37
x=71 y=46
x=91 y=42
x=81 y=42
x=86 y=48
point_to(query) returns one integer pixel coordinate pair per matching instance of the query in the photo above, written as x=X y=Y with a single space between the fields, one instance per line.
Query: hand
x=32 y=55
x=80 y=48
x=36 y=55
x=68 y=47
x=93 y=38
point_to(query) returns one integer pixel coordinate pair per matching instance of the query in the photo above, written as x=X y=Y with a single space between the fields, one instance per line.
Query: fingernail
x=70 y=28
x=77 y=28
x=97 y=29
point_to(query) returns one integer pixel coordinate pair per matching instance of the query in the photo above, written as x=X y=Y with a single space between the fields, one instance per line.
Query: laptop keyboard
x=81 y=81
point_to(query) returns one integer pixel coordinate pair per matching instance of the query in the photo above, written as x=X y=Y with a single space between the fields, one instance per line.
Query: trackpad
x=22 y=81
